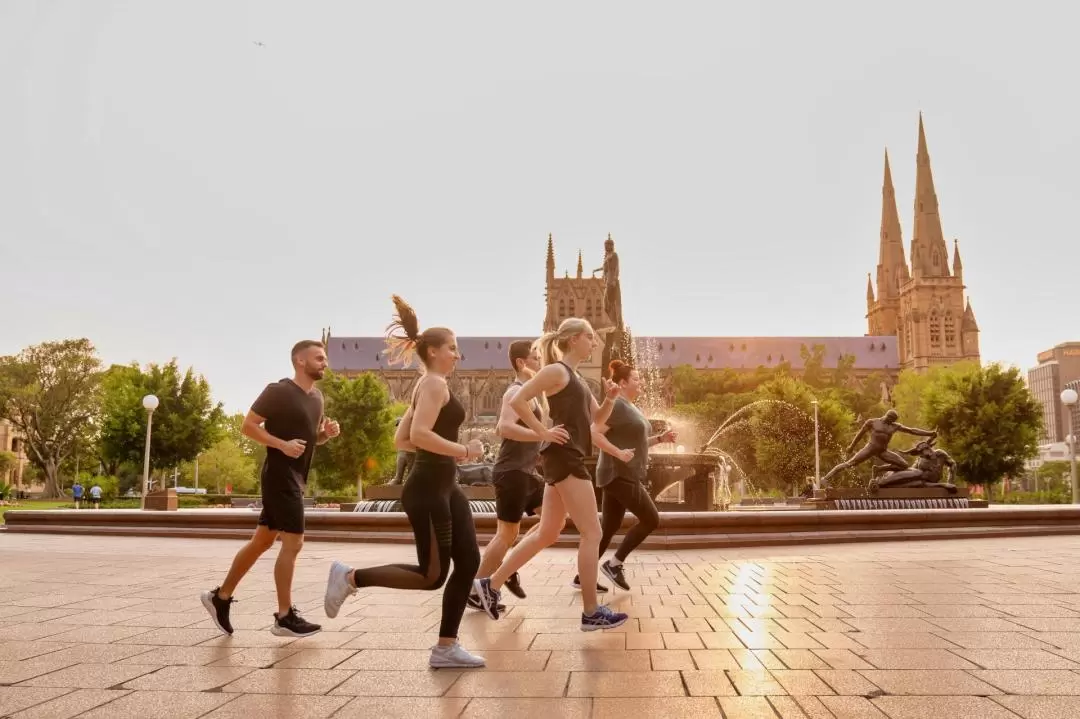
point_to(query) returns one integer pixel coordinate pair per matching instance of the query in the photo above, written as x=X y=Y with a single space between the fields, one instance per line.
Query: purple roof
x=369 y=353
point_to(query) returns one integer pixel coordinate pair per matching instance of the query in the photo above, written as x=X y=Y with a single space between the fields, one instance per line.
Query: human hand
x=624 y=455
x=475 y=449
x=556 y=435
x=294 y=448
x=330 y=428
x=611 y=390
x=668 y=436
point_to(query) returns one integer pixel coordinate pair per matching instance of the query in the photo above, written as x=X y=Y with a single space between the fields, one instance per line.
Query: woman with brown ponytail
x=437 y=508
x=624 y=440
x=569 y=489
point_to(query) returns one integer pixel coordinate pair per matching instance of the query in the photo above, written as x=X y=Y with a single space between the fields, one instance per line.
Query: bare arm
x=549 y=380
x=508 y=428
x=430 y=397
x=601 y=412
x=861 y=433
x=401 y=436
x=916 y=431
x=253 y=429
x=599 y=438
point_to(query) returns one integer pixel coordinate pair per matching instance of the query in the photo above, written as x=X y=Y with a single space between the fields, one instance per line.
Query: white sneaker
x=337 y=589
x=454 y=656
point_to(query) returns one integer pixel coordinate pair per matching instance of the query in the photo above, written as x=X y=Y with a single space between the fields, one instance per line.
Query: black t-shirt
x=291 y=413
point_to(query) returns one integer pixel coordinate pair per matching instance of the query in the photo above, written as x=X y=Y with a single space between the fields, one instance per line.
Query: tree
x=49 y=393
x=362 y=406
x=226 y=463
x=186 y=421
x=987 y=419
x=8 y=462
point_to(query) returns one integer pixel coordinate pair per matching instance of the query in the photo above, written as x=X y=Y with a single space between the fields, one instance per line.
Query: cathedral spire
x=892 y=270
x=969 y=318
x=551 y=258
x=869 y=290
x=929 y=255
x=580 y=266
x=957 y=265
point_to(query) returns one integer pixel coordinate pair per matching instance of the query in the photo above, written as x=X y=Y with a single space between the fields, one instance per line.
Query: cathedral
x=923 y=305
x=917 y=317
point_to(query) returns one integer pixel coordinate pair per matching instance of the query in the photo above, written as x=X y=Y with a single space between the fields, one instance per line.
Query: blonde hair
x=553 y=345
x=410 y=341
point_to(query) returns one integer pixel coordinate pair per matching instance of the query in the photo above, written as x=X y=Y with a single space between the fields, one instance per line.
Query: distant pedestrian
x=77 y=493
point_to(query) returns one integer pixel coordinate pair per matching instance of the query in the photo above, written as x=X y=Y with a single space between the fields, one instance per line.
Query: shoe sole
x=484 y=601
x=455 y=665
x=279 y=631
x=328 y=608
x=207 y=599
x=598 y=589
x=595 y=627
x=622 y=586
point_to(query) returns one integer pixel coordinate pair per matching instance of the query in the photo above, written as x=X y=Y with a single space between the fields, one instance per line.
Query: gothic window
x=562 y=309
x=935 y=329
x=908 y=349
x=934 y=259
x=588 y=308
x=950 y=329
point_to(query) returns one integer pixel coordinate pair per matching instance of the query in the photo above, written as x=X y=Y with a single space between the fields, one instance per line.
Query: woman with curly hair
x=437 y=508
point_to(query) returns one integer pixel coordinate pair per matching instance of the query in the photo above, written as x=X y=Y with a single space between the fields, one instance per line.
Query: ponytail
x=404 y=338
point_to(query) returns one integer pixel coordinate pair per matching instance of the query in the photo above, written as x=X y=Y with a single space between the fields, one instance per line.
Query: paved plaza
x=110 y=627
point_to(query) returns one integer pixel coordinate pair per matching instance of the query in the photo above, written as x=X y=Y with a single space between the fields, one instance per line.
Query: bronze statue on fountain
x=616 y=339
x=930 y=465
x=881 y=431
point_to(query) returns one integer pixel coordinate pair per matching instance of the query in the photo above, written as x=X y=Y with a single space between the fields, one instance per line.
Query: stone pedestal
x=163 y=500
x=903 y=498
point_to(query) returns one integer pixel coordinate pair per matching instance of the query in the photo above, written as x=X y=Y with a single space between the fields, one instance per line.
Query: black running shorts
x=560 y=463
x=517 y=493
x=283 y=509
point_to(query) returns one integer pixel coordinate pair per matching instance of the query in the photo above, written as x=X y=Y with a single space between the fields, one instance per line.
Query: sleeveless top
x=572 y=408
x=447 y=424
x=515 y=455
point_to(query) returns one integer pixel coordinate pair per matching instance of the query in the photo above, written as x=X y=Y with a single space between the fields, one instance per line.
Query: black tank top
x=572 y=408
x=447 y=424
x=515 y=455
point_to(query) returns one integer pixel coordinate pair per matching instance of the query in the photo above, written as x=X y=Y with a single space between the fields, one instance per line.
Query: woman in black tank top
x=570 y=489
x=438 y=510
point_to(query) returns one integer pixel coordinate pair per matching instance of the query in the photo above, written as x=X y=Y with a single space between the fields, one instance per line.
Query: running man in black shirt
x=287 y=418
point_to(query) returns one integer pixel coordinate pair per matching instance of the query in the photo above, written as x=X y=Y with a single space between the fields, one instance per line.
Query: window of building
x=935 y=329
x=950 y=329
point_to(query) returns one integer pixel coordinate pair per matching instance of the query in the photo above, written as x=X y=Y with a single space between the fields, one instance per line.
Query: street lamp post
x=817 y=449
x=1068 y=398
x=149 y=403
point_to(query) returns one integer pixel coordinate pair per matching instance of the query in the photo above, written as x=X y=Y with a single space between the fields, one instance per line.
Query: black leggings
x=443 y=526
x=620 y=495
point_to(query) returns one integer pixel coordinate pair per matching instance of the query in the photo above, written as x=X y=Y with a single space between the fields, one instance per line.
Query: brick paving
x=110 y=627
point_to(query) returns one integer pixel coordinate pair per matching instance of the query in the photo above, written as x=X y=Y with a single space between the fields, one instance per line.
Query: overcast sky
x=170 y=188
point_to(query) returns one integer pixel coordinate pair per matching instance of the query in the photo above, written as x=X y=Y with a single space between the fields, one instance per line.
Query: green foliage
x=1053 y=470
x=8 y=460
x=986 y=418
x=110 y=487
x=49 y=393
x=185 y=423
x=362 y=406
x=223 y=464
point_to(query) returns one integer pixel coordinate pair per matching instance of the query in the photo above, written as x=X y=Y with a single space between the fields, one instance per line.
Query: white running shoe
x=337 y=589
x=454 y=656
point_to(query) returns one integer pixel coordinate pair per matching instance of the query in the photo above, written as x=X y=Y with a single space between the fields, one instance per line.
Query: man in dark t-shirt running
x=288 y=419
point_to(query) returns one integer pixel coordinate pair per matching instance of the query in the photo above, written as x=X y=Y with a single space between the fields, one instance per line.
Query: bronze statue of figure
x=612 y=292
x=881 y=431
x=930 y=465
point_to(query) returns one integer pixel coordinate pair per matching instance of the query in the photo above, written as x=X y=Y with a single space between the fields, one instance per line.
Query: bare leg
x=580 y=500
x=552 y=521
x=861 y=456
x=291 y=544
x=245 y=559
x=506 y=533
x=895 y=460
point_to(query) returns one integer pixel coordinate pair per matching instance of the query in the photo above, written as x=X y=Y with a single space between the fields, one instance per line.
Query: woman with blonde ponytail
x=569 y=488
x=438 y=511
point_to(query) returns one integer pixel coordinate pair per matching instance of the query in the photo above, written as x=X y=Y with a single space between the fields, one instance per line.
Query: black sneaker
x=473 y=602
x=293 y=625
x=218 y=609
x=489 y=598
x=615 y=574
x=576 y=584
x=514 y=585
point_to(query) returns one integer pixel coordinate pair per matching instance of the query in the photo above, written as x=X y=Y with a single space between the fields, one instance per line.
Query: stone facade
x=10 y=441
x=924 y=306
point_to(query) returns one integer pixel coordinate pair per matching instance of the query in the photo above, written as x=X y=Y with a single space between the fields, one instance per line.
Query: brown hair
x=619 y=370
x=303 y=345
x=410 y=340
x=519 y=350
x=553 y=345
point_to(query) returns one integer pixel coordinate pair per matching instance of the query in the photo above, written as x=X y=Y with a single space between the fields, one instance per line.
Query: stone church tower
x=924 y=306
x=577 y=296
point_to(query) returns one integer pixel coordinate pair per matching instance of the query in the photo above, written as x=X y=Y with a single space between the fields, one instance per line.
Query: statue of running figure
x=881 y=431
